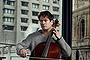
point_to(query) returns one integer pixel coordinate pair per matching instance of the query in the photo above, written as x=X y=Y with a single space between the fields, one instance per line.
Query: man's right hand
x=23 y=53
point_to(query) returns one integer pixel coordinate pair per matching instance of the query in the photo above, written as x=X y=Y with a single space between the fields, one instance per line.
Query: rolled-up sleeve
x=66 y=49
x=23 y=45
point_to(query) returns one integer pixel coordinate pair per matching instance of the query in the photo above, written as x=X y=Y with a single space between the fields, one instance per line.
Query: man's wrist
x=59 y=38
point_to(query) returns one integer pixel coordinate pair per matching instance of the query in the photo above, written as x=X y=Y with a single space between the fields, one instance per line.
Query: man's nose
x=43 y=22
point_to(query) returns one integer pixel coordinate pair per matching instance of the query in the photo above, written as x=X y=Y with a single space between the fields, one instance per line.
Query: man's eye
x=45 y=20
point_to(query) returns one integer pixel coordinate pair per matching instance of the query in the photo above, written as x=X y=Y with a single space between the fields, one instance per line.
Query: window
x=8 y=27
x=45 y=7
x=46 y=0
x=24 y=12
x=56 y=1
x=23 y=28
x=24 y=20
x=12 y=3
x=56 y=9
x=10 y=11
x=56 y=16
x=24 y=3
x=34 y=13
x=82 y=28
x=8 y=19
x=34 y=21
x=8 y=2
x=35 y=5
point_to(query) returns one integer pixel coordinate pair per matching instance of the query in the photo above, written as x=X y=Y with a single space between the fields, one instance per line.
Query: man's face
x=45 y=23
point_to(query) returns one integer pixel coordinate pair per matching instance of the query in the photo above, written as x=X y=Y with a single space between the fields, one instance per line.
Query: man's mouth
x=43 y=25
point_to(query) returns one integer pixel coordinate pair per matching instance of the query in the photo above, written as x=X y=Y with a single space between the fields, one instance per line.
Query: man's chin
x=44 y=29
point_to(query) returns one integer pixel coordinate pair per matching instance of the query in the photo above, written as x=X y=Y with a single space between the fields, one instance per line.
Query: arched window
x=82 y=28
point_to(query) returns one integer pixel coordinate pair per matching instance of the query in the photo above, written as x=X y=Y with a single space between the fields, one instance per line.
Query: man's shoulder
x=35 y=33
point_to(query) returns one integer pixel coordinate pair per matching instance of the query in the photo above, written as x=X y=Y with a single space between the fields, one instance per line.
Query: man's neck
x=46 y=32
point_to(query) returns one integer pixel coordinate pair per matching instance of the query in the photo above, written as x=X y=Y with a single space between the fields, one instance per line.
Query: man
x=32 y=40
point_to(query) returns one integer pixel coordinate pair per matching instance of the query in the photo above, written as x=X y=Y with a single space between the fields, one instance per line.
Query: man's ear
x=52 y=22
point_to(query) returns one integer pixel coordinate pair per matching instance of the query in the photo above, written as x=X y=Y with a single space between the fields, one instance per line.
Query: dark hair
x=46 y=14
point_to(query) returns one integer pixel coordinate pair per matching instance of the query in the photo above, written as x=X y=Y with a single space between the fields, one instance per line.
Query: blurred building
x=81 y=30
x=18 y=18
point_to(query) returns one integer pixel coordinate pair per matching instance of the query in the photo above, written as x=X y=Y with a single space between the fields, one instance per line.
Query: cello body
x=53 y=52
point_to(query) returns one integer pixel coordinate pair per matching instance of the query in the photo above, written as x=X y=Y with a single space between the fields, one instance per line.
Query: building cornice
x=81 y=47
x=81 y=9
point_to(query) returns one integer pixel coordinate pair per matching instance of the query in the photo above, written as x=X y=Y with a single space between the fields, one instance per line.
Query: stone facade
x=81 y=30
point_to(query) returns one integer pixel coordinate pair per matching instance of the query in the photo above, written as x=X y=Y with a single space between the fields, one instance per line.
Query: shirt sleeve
x=66 y=50
x=23 y=45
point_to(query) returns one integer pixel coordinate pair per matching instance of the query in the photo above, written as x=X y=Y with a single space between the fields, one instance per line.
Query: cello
x=47 y=50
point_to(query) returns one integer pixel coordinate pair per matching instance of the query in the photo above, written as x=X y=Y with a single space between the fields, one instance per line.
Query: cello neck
x=48 y=41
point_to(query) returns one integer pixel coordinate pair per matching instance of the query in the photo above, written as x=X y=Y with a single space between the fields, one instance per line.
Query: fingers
x=23 y=53
x=56 y=33
x=55 y=30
